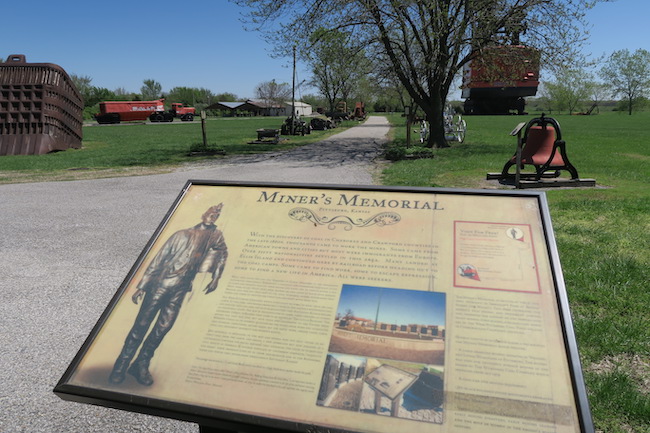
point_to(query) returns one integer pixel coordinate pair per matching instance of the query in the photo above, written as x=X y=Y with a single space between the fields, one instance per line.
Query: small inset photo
x=386 y=354
x=383 y=387
x=379 y=322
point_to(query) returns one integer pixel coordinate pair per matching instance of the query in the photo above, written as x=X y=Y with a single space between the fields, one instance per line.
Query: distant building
x=421 y=330
x=302 y=109
x=258 y=107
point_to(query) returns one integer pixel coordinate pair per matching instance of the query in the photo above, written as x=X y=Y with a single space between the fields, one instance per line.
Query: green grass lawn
x=603 y=237
x=603 y=233
x=140 y=148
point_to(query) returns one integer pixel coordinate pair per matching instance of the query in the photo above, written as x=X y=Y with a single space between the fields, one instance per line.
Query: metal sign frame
x=430 y=225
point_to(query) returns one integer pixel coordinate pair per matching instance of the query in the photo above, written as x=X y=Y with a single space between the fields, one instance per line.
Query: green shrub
x=418 y=152
x=394 y=152
x=89 y=112
x=398 y=152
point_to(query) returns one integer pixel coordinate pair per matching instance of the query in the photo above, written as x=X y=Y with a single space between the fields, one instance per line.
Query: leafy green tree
x=151 y=90
x=82 y=83
x=225 y=97
x=190 y=96
x=93 y=96
x=571 y=88
x=316 y=101
x=391 y=88
x=337 y=65
x=628 y=75
x=100 y=94
x=198 y=98
x=542 y=102
x=364 y=91
x=204 y=96
x=427 y=42
x=597 y=94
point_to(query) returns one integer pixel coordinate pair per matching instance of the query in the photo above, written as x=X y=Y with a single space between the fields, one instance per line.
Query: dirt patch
x=636 y=156
x=78 y=173
x=637 y=367
x=372 y=350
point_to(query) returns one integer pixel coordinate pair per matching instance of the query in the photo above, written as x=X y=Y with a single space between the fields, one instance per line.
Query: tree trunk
x=434 y=111
x=437 y=138
x=629 y=106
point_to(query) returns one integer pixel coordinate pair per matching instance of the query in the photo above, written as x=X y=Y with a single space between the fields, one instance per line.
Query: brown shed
x=41 y=110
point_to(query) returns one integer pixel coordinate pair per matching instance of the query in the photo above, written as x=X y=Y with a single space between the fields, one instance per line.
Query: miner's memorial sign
x=329 y=308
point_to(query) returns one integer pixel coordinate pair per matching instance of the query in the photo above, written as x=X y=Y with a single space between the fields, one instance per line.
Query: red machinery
x=128 y=111
x=497 y=81
x=360 y=111
x=185 y=113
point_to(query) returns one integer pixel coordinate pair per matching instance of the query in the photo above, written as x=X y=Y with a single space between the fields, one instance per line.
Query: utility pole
x=293 y=95
x=378 y=305
x=205 y=138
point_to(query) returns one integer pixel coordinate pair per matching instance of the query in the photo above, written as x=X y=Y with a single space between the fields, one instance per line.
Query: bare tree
x=426 y=42
x=597 y=93
x=121 y=92
x=273 y=93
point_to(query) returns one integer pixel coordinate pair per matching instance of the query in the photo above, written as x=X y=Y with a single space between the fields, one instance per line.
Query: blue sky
x=400 y=307
x=201 y=43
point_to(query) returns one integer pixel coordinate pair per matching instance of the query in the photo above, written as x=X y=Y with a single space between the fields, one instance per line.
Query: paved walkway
x=65 y=248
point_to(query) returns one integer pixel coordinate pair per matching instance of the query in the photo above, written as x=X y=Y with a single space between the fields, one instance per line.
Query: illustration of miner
x=163 y=287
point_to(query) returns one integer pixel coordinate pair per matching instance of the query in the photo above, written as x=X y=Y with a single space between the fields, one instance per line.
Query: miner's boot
x=140 y=367
x=122 y=362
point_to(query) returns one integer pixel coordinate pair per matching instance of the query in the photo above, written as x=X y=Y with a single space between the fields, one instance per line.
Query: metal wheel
x=424 y=131
x=461 y=129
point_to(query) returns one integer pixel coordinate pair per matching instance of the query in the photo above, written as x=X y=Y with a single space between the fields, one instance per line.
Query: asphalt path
x=65 y=248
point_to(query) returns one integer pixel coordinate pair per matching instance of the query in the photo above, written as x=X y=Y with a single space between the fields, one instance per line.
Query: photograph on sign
x=348 y=309
x=397 y=365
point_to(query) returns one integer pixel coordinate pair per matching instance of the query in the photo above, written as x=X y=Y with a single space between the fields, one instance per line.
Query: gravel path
x=67 y=246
